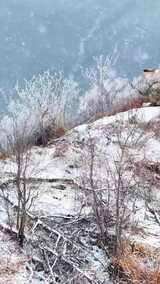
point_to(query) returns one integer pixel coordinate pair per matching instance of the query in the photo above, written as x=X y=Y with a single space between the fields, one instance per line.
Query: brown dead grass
x=60 y=132
x=4 y=156
x=138 y=264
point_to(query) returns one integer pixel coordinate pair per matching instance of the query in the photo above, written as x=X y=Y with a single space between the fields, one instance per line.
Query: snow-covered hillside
x=59 y=174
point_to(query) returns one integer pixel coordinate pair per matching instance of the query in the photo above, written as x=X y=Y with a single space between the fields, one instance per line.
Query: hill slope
x=60 y=173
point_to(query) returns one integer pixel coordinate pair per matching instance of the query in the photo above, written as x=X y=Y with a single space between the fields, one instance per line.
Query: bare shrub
x=128 y=104
x=109 y=180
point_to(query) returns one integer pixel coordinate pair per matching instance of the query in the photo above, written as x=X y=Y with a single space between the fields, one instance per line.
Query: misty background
x=39 y=35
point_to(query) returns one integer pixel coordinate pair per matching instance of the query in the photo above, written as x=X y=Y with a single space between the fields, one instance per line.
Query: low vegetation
x=137 y=263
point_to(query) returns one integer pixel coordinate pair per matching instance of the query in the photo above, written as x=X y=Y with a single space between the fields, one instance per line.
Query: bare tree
x=19 y=145
x=109 y=181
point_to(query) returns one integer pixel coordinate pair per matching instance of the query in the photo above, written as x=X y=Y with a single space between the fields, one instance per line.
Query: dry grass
x=138 y=264
x=4 y=156
x=60 y=132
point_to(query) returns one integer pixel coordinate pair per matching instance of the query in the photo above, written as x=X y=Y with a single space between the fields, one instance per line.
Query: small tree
x=19 y=145
x=109 y=180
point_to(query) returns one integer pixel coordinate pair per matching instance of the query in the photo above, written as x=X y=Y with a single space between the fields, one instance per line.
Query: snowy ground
x=65 y=161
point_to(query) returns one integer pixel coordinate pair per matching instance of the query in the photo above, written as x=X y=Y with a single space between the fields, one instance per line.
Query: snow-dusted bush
x=108 y=94
x=47 y=96
x=42 y=102
x=106 y=91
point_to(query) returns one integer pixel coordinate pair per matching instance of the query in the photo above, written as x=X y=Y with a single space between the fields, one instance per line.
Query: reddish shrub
x=59 y=132
x=135 y=102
